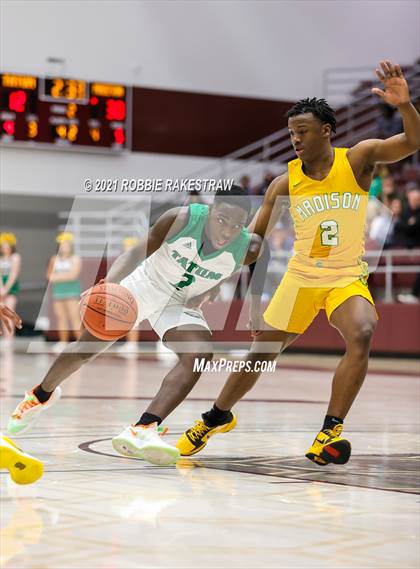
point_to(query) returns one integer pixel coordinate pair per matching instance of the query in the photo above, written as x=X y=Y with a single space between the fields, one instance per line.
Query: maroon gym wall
x=196 y=124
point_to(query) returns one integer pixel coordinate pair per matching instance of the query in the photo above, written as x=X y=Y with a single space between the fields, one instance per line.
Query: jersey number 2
x=188 y=279
x=329 y=233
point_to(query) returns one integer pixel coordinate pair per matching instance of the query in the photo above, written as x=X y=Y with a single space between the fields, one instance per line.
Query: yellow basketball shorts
x=294 y=307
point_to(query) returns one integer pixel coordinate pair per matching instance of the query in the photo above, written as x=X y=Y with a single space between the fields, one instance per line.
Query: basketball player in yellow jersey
x=327 y=188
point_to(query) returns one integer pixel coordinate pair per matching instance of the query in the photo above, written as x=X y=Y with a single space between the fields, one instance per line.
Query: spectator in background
x=10 y=266
x=410 y=219
x=245 y=183
x=268 y=178
x=282 y=237
x=410 y=226
x=254 y=193
x=281 y=245
x=388 y=192
x=389 y=123
x=381 y=171
x=385 y=230
x=63 y=272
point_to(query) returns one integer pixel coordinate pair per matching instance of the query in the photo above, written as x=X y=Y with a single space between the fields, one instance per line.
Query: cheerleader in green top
x=63 y=273
x=10 y=266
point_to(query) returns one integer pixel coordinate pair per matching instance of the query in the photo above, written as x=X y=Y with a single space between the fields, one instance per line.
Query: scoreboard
x=69 y=114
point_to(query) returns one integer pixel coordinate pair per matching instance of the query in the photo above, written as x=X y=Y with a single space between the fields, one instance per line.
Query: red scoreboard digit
x=115 y=110
x=17 y=101
x=66 y=113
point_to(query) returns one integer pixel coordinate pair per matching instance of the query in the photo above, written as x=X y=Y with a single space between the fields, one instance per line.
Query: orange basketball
x=108 y=311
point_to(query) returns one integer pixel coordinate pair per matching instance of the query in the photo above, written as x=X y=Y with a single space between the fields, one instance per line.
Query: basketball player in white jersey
x=189 y=251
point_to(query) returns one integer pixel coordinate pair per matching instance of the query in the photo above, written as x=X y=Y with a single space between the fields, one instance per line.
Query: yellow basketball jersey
x=329 y=221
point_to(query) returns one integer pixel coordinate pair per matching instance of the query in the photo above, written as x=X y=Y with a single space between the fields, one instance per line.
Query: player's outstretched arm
x=9 y=318
x=272 y=207
x=395 y=92
x=258 y=272
x=258 y=256
x=168 y=224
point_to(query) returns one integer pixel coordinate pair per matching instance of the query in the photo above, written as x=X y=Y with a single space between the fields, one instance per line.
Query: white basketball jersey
x=181 y=269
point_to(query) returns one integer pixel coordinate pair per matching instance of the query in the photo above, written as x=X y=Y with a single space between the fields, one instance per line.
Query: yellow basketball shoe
x=196 y=437
x=23 y=468
x=328 y=447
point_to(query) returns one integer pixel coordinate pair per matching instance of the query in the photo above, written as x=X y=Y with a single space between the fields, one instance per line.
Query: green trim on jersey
x=197 y=219
x=193 y=218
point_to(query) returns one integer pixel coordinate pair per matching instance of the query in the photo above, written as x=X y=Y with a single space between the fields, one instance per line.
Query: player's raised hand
x=395 y=86
x=9 y=318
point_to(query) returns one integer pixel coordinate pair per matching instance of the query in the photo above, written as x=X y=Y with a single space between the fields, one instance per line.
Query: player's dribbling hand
x=396 y=88
x=9 y=318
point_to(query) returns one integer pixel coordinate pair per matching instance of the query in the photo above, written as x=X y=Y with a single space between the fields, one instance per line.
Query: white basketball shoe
x=145 y=441
x=28 y=410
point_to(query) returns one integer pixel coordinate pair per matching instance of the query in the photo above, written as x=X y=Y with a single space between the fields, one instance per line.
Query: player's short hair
x=318 y=107
x=234 y=195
